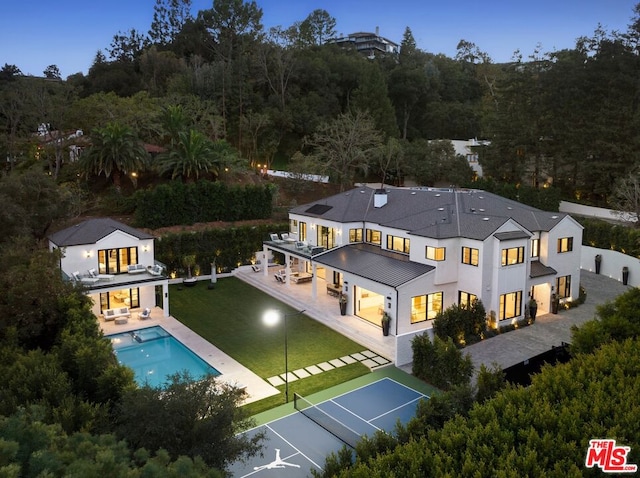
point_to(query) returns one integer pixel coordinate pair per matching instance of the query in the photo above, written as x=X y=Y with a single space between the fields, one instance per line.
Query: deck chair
x=274 y=238
x=145 y=314
x=256 y=268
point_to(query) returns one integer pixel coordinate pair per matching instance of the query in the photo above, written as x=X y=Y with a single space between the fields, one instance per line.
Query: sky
x=67 y=33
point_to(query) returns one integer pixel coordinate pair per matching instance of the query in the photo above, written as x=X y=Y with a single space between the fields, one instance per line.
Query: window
x=115 y=261
x=398 y=244
x=470 y=256
x=563 y=287
x=425 y=307
x=293 y=226
x=435 y=253
x=535 y=247
x=374 y=237
x=513 y=255
x=565 y=244
x=303 y=231
x=355 y=235
x=510 y=305
x=465 y=299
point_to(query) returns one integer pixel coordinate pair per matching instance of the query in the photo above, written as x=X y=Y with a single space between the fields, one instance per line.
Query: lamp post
x=271 y=318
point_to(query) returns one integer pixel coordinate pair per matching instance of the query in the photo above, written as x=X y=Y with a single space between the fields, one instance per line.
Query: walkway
x=367 y=358
x=548 y=330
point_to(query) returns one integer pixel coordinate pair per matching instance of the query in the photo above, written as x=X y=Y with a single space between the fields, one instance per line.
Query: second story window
x=535 y=247
x=115 y=261
x=398 y=244
x=435 y=253
x=513 y=255
x=565 y=244
x=374 y=237
x=293 y=226
x=470 y=256
x=355 y=235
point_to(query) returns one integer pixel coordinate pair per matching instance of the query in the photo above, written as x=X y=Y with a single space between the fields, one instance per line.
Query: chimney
x=379 y=198
x=377 y=31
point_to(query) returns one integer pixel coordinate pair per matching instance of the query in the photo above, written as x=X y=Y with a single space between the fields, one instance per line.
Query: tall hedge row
x=228 y=247
x=604 y=235
x=177 y=203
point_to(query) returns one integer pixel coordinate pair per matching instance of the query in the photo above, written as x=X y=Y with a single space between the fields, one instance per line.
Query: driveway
x=549 y=330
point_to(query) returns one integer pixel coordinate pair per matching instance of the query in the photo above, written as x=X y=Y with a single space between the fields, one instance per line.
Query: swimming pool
x=153 y=353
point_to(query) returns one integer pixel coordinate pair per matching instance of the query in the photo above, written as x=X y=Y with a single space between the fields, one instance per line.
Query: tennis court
x=301 y=441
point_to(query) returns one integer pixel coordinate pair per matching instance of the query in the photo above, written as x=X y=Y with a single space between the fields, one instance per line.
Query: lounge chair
x=274 y=238
x=145 y=314
x=256 y=268
x=95 y=275
x=155 y=270
x=83 y=279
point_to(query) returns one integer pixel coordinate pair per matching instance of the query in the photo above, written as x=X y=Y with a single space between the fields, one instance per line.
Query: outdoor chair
x=145 y=314
x=256 y=268
x=274 y=238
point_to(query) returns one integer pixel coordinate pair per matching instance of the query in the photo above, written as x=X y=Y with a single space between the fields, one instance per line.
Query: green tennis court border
x=391 y=372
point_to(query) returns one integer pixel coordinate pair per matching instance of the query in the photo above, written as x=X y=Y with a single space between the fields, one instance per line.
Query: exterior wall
x=612 y=264
x=567 y=263
x=447 y=270
x=84 y=257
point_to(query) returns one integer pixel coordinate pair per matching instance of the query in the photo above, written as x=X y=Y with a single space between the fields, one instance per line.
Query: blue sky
x=68 y=33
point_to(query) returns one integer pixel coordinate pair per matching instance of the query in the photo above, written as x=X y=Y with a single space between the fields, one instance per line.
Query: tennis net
x=326 y=421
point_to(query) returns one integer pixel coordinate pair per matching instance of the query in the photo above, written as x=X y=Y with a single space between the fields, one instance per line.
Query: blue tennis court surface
x=295 y=444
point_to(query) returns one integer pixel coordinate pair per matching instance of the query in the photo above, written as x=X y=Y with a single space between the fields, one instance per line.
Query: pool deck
x=232 y=372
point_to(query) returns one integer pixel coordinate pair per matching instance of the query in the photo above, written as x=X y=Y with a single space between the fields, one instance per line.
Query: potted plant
x=625 y=275
x=555 y=304
x=533 y=309
x=386 y=323
x=189 y=261
x=342 y=301
x=598 y=262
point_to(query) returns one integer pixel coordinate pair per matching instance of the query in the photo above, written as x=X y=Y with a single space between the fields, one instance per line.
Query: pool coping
x=231 y=371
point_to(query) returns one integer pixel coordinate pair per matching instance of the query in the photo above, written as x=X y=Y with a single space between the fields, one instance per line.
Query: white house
x=115 y=263
x=469 y=149
x=413 y=252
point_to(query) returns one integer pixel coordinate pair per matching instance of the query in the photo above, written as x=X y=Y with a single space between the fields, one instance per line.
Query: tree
x=192 y=155
x=626 y=198
x=9 y=72
x=115 y=150
x=127 y=46
x=169 y=18
x=344 y=146
x=52 y=72
x=372 y=96
x=185 y=417
x=440 y=362
x=318 y=27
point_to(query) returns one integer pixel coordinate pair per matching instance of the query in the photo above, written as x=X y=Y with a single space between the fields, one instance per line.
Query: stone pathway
x=367 y=358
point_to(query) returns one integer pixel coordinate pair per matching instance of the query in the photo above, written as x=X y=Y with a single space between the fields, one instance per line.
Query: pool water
x=153 y=353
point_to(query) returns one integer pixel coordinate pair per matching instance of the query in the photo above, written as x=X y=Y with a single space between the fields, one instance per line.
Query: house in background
x=469 y=149
x=115 y=263
x=413 y=252
x=371 y=45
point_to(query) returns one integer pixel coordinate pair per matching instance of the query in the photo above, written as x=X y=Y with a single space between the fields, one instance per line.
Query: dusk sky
x=68 y=33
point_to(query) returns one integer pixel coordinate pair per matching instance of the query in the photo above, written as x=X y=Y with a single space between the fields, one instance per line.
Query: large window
x=303 y=231
x=465 y=299
x=470 y=256
x=425 y=307
x=115 y=261
x=374 y=237
x=535 y=247
x=565 y=244
x=563 y=287
x=513 y=255
x=398 y=244
x=435 y=253
x=510 y=305
x=293 y=226
x=120 y=298
x=355 y=235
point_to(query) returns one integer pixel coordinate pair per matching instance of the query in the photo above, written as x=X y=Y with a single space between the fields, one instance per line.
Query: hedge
x=176 y=203
x=228 y=247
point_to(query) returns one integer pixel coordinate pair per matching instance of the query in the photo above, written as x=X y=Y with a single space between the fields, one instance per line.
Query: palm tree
x=115 y=150
x=193 y=154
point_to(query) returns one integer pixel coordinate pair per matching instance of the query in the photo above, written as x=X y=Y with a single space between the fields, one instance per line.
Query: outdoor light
x=272 y=318
x=88 y=254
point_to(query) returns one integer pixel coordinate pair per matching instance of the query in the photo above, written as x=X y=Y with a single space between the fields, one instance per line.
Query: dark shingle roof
x=538 y=269
x=431 y=212
x=371 y=262
x=91 y=231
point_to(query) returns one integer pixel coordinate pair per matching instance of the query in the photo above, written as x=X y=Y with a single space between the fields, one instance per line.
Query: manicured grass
x=230 y=317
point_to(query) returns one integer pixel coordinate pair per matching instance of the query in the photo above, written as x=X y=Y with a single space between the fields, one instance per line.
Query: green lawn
x=230 y=317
